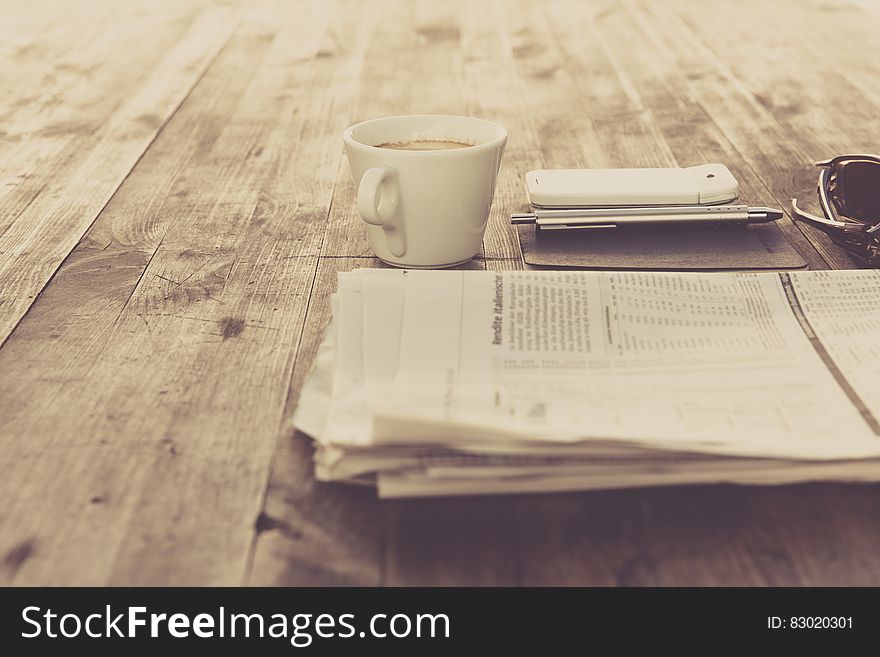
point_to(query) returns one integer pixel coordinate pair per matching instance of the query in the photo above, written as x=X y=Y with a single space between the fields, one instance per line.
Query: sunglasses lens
x=859 y=194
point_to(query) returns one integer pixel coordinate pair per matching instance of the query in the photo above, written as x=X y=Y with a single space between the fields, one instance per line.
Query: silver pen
x=713 y=215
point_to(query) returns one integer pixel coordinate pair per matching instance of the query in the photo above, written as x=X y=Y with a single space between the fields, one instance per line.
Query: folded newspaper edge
x=443 y=383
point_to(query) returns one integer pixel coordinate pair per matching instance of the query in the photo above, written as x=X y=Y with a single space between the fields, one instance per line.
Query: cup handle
x=379 y=205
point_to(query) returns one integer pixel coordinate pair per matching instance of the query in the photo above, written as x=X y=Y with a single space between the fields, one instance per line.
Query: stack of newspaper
x=445 y=383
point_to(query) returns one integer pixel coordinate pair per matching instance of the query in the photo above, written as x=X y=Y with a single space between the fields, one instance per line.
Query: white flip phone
x=707 y=184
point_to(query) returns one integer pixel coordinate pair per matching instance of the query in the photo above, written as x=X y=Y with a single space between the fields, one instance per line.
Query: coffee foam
x=430 y=135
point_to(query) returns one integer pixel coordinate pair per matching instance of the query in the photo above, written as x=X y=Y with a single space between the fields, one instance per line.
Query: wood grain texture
x=784 y=164
x=297 y=541
x=174 y=212
x=172 y=404
x=681 y=131
x=72 y=148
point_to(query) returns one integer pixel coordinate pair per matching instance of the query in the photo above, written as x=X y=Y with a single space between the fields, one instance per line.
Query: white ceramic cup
x=425 y=209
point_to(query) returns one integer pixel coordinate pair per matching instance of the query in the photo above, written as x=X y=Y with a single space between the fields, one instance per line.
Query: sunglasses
x=849 y=193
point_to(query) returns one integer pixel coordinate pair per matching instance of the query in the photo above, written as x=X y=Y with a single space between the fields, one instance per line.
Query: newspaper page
x=764 y=364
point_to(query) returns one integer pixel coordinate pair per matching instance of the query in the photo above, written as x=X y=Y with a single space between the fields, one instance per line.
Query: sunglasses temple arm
x=818 y=222
x=830 y=162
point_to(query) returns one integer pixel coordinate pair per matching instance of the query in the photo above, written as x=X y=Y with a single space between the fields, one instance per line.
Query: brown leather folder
x=671 y=248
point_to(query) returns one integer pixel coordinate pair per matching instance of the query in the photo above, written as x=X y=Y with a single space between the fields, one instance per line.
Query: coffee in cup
x=425 y=145
x=425 y=185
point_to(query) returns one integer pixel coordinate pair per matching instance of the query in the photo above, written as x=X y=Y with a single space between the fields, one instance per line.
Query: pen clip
x=572 y=226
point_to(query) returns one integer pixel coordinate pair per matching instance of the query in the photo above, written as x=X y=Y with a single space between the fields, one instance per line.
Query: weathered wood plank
x=58 y=69
x=664 y=96
x=626 y=129
x=783 y=164
x=312 y=533
x=73 y=190
x=703 y=536
x=170 y=413
x=823 y=107
x=492 y=91
x=811 y=82
x=565 y=134
x=451 y=542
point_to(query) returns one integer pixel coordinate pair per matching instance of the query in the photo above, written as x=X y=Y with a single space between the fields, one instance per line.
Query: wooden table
x=174 y=208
